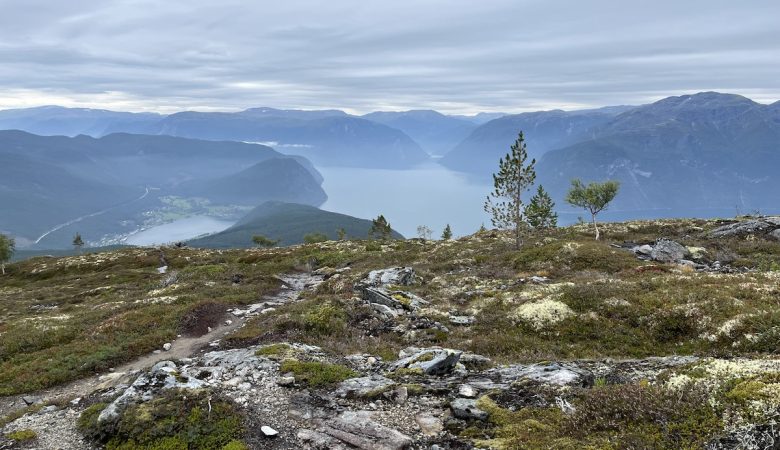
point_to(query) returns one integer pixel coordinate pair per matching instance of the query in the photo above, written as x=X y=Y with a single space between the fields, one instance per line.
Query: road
x=79 y=219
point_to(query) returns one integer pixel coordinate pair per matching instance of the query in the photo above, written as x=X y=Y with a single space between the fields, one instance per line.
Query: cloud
x=454 y=55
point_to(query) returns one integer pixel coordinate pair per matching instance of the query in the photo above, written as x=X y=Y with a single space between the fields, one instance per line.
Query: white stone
x=167 y=346
x=268 y=431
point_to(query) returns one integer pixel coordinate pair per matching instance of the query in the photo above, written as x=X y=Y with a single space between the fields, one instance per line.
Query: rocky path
x=51 y=424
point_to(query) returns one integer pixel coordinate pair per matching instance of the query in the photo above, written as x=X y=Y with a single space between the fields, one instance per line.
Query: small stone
x=371 y=361
x=268 y=431
x=465 y=390
x=167 y=346
x=286 y=381
x=429 y=424
x=463 y=408
x=401 y=395
x=228 y=322
x=75 y=401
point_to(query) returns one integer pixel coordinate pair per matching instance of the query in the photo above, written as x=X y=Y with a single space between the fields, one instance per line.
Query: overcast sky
x=362 y=55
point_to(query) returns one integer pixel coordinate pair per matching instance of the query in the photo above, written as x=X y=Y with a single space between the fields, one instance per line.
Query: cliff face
x=566 y=343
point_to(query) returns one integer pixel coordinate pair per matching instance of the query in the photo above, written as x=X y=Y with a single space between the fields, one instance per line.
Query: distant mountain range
x=288 y=223
x=434 y=131
x=102 y=185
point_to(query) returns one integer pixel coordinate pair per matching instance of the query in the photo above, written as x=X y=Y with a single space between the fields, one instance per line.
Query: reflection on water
x=179 y=230
x=428 y=195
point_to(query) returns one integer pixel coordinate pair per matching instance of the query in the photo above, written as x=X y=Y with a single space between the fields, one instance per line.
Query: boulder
x=393 y=299
x=552 y=373
x=364 y=387
x=465 y=408
x=398 y=276
x=432 y=360
x=643 y=250
x=429 y=424
x=775 y=234
x=745 y=227
x=354 y=429
x=668 y=251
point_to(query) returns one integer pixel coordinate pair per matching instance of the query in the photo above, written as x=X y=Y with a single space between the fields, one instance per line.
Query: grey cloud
x=453 y=55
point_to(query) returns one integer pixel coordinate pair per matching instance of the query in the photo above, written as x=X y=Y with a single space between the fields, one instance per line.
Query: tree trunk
x=3 y=267
x=596 y=227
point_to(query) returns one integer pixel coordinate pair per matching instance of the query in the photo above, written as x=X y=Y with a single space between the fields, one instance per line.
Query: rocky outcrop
x=354 y=429
x=760 y=226
x=668 y=251
x=431 y=361
x=364 y=387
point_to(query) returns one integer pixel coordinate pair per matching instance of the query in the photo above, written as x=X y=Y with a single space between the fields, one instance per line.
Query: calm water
x=179 y=230
x=429 y=195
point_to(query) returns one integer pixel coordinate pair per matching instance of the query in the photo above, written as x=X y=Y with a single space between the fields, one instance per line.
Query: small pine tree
x=262 y=241
x=540 y=211
x=512 y=180
x=447 y=233
x=594 y=197
x=7 y=248
x=342 y=233
x=380 y=229
x=78 y=242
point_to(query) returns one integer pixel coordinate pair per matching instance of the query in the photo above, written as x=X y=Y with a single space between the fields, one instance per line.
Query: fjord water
x=179 y=230
x=428 y=194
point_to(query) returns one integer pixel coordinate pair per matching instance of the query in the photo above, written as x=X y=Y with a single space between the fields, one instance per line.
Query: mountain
x=327 y=137
x=545 y=130
x=260 y=183
x=686 y=155
x=57 y=120
x=115 y=184
x=287 y=222
x=435 y=132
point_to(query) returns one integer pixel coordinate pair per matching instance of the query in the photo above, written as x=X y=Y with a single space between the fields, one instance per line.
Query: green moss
x=274 y=350
x=317 y=374
x=235 y=445
x=325 y=318
x=177 y=420
x=22 y=435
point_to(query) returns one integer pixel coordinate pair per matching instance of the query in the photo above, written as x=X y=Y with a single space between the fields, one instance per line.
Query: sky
x=455 y=56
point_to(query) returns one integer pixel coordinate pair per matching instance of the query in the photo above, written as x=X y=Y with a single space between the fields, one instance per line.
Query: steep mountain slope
x=435 y=132
x=287 y=222
x=283 y=179
x=56 y=120
x=108 y=185
x=688 y=154
x=545 y=130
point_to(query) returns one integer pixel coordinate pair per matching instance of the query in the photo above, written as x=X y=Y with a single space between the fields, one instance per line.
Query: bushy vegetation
x=176 y=420
x=315 y=373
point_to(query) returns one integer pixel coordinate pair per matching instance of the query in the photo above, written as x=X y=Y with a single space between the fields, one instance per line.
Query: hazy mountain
x=107 y=185
x=435 y=132
x=545 y=130
x=283 y=179
x=287 y=222
x=56 y=120
x=690 y=154
x=328 y=140
x=327 y=137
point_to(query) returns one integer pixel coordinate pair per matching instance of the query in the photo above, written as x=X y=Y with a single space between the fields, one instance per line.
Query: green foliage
x=540 y=212
x=313 y=238
x=25 y=435
x=423 y=232
x=446 y=235
x=342 y=233
x=316 y=374
x=262 y=241
x=380 y=229
x=510 y=182
x=325 y=318
x=594 y=197
x=273 y=350
x=78 y=242
x=179 y=419
x=7 y=248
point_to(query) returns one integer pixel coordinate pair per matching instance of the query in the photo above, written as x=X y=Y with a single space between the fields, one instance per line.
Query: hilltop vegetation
x=562 y=297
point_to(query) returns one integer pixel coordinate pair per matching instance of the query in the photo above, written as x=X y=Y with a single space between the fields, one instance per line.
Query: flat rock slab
x=364 y=387
x=354 y=429
x=432 y=360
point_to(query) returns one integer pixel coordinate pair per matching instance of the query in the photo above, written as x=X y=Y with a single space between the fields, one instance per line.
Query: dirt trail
x=183 y=347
